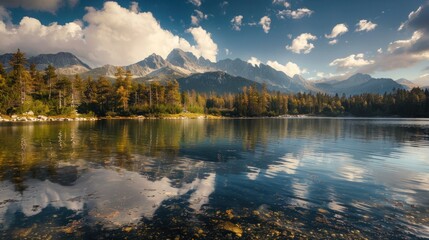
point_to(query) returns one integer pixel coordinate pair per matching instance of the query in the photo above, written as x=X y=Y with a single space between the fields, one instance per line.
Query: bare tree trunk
x=60 y=100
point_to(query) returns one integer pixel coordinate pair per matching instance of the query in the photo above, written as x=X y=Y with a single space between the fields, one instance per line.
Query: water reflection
x=112 y=196
x=204 y=175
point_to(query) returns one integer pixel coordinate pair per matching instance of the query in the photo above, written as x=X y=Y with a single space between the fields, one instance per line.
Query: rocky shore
x=42 y=118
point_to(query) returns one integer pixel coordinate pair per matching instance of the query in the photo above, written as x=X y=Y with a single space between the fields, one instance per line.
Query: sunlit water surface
x=215 y=179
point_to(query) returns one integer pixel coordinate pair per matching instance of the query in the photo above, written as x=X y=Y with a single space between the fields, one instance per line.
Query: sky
x=316 y=39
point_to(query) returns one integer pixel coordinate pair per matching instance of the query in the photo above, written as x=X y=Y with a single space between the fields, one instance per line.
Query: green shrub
x=195 y=109
x=37 y=107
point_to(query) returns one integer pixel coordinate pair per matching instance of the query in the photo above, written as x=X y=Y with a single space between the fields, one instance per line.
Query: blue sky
x=213 y=32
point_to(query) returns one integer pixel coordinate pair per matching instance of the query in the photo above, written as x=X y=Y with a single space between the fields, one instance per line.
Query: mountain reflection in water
x=317 y=178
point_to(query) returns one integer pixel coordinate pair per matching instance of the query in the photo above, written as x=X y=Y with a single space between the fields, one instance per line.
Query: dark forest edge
x=25 y=89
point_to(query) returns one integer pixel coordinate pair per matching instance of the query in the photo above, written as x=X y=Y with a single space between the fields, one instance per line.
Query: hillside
x=358 y=84
x=218 y=82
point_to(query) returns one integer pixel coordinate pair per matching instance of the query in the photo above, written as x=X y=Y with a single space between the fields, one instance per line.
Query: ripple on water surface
x=228 y=179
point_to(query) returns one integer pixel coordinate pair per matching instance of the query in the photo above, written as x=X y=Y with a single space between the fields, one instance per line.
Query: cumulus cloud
x=196 y=2
x=301 y=43
x=338 y=30
x=290 y=68
x=254 y=61
x=113 y=35
x=38 y=5
x=206 y=47
x=365 y=25
x=236 y=22
x=352 y=61
x=265 y=22
x=195 y=19
x=295 y=14
x=380 y=50
x=33 y=37
x=333 y=42
x=406 y=52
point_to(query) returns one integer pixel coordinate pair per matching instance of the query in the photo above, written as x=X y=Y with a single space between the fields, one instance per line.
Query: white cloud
x=333 y=42
x=338 y=30
x=195 y=19
x=352 y=61
x=227 y=51
x=265 y=22
x=407 y=52
x=365 y=25
x=407 y=43
x=113 y=35
x=301 y=43
x=38 y=5
x=33 y=37
x=254 y=61
x=331 y=75
x=201 y=15
x=413 y=15
x=196 y=2
x=380 y=50
x=237 y=21
x=290 y=69
x=206 y=47
x=295 y=14
x=285 y=3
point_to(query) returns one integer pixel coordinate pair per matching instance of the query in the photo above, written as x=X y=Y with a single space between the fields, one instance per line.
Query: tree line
x=23 y=88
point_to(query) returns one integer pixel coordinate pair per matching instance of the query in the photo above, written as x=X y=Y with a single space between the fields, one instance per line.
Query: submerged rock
x=229 y=226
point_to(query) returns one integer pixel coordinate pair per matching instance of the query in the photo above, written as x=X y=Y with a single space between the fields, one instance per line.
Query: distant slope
x=218 y=82
x=5 y=58
x=274 y=79
x=65 y=63
x=163 y=74
x=188 y=62
x=406 y=83
x=105 y=71
x=180 y=64
x=148 y=65
x=358 y=84
x=58 y=60
x=422 y=81
x=376 y=85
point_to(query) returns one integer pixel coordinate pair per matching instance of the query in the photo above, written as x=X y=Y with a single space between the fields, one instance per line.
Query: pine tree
x=50 y=79
x=20 y=77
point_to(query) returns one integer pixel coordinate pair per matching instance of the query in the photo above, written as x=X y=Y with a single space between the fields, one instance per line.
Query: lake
x=215 y=179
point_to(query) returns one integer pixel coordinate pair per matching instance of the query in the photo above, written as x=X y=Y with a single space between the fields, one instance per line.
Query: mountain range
x=65 y=63
x=228 y=75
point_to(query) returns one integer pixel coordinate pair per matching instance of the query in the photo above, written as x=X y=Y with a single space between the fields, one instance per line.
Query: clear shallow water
x=215 y=179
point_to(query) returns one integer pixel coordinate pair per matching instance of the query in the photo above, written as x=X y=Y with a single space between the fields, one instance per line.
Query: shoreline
x=42 y=118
